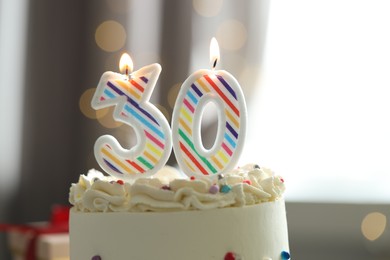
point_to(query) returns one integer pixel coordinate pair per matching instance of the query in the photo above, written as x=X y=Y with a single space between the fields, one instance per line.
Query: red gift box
x=44 y=240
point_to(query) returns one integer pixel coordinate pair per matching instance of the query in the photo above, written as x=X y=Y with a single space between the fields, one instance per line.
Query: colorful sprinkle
x=214 y=189
x=249 y=182
x=282 y=180
x=166 y=187
x=225 y=188
x=96 y=257
x=285 y=255
x=192 y=178
x=120 y=182
x=230 y=256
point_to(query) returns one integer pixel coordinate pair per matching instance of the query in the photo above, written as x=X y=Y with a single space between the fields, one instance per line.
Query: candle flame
x=126 y=64
x=214 y=52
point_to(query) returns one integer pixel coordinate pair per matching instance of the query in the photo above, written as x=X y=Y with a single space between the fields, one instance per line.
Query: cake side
x=250 y=232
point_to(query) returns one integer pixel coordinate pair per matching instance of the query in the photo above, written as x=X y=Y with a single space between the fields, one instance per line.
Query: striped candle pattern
x=192 y=157
x=132 y=107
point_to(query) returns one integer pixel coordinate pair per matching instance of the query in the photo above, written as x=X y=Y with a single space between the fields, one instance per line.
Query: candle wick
x=215 y=63
x=127 y=70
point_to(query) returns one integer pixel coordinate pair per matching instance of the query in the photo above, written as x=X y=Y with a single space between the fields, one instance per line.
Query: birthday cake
x=145 y=210
x=238 y=215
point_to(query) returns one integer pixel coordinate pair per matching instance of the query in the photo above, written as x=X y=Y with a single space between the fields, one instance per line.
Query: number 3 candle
x=222 y=89
x=130 y=95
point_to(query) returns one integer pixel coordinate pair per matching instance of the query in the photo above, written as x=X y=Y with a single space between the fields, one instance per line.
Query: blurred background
x=315 y=75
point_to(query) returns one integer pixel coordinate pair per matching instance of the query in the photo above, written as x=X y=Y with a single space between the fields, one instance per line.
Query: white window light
x=322 y=119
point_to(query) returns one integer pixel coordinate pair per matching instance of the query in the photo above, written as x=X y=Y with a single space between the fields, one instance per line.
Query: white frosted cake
x=240 y=215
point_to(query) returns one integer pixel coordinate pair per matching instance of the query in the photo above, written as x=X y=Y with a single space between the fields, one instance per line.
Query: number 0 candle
x=130 y=95
x=199 y=89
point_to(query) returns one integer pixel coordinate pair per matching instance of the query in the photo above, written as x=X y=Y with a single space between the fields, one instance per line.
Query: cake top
x=168 y=190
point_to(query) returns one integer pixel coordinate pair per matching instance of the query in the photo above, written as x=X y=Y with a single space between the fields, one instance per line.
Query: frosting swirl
x=168 y=190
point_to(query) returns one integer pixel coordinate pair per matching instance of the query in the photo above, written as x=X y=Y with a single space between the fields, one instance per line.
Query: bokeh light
x=85 y=103
x=106 y=119
x=231 y=35
x=110 y=36
x=207 y=8
x=164 y=111
x=172 y=94
x=373 y=225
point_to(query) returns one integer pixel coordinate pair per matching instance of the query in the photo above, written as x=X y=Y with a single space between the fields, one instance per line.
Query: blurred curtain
x=63 y=60
x=52 y=133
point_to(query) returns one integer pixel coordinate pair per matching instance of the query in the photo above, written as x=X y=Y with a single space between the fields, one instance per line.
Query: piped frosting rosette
x=168 y=190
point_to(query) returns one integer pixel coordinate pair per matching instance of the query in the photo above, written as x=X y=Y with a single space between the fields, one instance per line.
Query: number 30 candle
x=202 y=87
x=130 y=95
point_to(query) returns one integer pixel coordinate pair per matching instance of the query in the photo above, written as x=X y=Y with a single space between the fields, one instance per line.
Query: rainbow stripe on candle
x=191 y=155
x=130 y=98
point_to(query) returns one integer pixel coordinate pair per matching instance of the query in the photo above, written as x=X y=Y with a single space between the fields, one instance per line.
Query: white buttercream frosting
x=168 y=190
